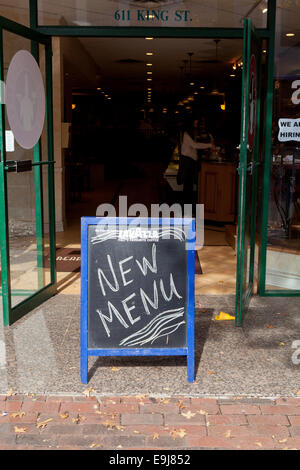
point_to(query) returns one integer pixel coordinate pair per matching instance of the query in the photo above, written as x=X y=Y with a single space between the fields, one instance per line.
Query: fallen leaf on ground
x=43 y=424
x=259 y=444
x=202 y=412
x=188 y=414
x=78 y=419
x=88 y=392
x=210 y=372
x=20 y=430
x=298 y=392
x=180 y=405
x=155 y=436
x=19 y=414
x=11 y=393
x=228 y=434
x=178 y=433
x=94 y=445
x=281 y=344
x=165 y=401
x=64 y=415
x=269 y=326
x=282 y=441
x=115 y=369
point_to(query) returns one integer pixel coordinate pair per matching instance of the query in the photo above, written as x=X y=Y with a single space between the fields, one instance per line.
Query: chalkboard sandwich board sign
x=137 y=288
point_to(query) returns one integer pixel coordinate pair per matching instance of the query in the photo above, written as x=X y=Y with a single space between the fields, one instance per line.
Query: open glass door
x=248 y=170
x=27 y=229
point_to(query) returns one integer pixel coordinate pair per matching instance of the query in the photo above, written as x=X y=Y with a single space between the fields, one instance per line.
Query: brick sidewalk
x=142 y=422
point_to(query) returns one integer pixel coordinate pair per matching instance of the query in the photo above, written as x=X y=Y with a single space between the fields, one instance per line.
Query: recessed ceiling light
x=149 y=79
x=149 y=53
x=290 y=35
x=202 y=87
x=265 y=10
x=192 y=83
x=232 y=75
x=149 y=65
x=149 y=73
x=148 y=38
x=265 y=51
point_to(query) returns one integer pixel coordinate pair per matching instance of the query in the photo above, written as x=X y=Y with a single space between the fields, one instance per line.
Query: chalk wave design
x=177 y=233
x=164 y=324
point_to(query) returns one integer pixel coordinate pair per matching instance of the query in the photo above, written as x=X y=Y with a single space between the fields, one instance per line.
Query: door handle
x=18 y=166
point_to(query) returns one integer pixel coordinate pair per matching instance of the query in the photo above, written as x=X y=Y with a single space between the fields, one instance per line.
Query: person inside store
x=188 y=163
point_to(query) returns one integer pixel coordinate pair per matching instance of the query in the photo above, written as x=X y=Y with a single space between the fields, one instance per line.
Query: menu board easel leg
x=84 y=367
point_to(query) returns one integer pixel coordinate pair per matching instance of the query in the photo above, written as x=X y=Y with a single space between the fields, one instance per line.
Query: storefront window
x=172 y=13
x=15 y=10
x=283 y=251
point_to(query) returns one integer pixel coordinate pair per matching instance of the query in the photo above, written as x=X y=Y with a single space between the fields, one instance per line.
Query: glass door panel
x=26 y=178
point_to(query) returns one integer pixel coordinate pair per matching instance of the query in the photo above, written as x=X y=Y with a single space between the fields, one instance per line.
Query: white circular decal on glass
x=25 y=99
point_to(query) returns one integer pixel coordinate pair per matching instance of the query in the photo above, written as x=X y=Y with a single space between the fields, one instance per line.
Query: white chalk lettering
x=128 y=309
x=104 y=318
x=146 y=299
x=173 y=289
x=146 y=263
x=101 y=275
x=125 y=283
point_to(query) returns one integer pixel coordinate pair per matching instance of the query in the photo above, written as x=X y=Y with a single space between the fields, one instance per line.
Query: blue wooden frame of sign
x=182 y=237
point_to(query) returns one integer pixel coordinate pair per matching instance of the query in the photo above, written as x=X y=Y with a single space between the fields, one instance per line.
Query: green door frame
x=267 y=33
x=12 y=314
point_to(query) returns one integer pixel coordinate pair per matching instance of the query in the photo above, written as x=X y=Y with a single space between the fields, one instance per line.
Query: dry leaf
x=210 y=372
x=43 y=424
x=282 y=441
x=202 y=412
x=228 y=434
x=281 y=344
x=78 y=419
x=136 y=432
x=20 y=430
x=115 y=369
x=94 y=445
x=155 y=436
x=64 y=415
x=180 y=404
x=178 y=433
x=19 y=414
x=269 y=326
x=258 y=444
x=298 y=392
x=88 y=392
x=11 y=393
x=165 y=401
x=188 y=415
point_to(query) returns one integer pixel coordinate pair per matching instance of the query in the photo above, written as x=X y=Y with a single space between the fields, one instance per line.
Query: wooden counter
x=217 y=190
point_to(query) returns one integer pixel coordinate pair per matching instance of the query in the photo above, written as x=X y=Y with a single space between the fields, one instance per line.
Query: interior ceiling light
x=149 y=79
x=149 y=73
x=232 y=75
x=290 y=35
x=149 y=53
x=148 y=38
x=149 y=65
x=265 y=10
